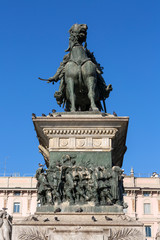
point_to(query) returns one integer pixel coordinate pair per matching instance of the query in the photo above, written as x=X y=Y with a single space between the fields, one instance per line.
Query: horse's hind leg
x=90 y=80
x=71 y=95
x=91 y=92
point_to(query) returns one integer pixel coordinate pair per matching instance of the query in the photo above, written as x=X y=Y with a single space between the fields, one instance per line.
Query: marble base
x=79 y=226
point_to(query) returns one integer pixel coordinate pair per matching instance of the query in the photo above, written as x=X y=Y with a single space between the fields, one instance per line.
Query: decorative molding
x=33 y=233
x=124 y=218
x=83 y=131
x=80 y=139
x=80 y=143
x=125 y=234
x=63 y=142
x=97 y=142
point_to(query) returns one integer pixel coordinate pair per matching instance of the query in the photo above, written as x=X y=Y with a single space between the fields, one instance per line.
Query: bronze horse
x=82 y=86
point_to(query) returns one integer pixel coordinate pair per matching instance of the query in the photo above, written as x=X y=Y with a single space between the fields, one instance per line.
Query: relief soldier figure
x=65 y=181
x=42 y=186
x=69 y=185
x=92 y=186
x=80 y=195
x=115 y=182
x=54 y=180
x=103 y=187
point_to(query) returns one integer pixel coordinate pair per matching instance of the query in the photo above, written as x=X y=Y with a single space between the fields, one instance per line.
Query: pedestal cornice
x=83 y=132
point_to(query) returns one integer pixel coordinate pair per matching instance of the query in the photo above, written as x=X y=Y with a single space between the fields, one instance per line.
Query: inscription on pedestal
x=78 y=235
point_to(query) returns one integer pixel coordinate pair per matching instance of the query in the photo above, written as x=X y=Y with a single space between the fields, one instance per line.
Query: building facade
x=19 y=195
x=143 y=198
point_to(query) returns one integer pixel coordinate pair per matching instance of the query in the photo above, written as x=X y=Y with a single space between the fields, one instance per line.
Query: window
x=148 y=231
x=146 y=194
x=16 y=207
x=17 y=193
x=147 y=208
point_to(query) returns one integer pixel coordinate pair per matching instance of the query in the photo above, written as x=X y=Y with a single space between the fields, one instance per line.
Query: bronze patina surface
x=82 y=87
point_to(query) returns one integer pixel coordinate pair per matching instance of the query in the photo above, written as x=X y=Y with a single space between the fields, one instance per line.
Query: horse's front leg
x=71 y=94
x=90 y=80
x=71 y=76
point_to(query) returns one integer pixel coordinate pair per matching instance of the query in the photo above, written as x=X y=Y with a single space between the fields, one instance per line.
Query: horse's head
x=78 y=33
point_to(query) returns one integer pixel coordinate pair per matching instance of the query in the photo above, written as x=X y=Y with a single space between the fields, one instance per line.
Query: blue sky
x=125 y=38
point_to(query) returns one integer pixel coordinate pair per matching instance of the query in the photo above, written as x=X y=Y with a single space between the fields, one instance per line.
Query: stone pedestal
x=96 y=141
x=92 y=143
x=99 y=138
x=79 y=226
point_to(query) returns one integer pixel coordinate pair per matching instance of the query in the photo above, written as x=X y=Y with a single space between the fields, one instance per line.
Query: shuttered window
x=148 y=231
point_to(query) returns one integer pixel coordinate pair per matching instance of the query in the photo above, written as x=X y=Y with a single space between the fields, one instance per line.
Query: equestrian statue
x=82 y=87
